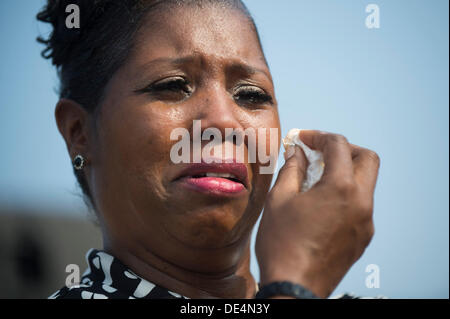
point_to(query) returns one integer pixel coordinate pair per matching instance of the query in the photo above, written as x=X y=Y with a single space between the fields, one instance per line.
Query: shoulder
x=78 y=292
x=89 y=289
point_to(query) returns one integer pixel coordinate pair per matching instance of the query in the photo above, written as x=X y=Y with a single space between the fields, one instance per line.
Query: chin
x=209 y=227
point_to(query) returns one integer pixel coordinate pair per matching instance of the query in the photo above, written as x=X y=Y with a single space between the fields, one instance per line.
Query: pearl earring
x=78 y=162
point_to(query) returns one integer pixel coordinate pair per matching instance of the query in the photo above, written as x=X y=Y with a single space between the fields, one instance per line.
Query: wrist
x=315 y=286
x=284 y=290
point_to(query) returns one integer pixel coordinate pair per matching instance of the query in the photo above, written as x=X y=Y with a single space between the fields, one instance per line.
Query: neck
x=234 y=282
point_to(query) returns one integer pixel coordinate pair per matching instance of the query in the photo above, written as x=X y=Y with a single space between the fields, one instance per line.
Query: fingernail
x=290 y=150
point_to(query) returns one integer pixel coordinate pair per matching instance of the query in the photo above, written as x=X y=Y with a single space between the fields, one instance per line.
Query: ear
x=72 y=121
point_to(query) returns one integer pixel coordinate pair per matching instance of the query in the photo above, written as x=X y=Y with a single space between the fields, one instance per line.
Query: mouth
x=216 y=178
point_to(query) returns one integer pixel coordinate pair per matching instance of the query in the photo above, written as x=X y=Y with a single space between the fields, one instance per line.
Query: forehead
x=215 y=32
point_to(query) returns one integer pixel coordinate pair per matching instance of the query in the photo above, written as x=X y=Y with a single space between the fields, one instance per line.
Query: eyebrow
x=175 y=61
x=235 y=66
x=246 y=69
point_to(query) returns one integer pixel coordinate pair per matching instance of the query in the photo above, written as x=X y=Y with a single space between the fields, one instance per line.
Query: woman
x=135 y=71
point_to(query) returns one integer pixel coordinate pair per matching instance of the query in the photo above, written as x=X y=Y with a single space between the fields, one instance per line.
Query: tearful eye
x=175 y=88
x=173 y=84
x=252 y=95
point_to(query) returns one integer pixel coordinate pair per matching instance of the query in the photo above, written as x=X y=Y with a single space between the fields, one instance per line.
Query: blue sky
x=385 y=89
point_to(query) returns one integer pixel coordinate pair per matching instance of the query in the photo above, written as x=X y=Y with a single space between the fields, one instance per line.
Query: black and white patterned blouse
x=107 y=278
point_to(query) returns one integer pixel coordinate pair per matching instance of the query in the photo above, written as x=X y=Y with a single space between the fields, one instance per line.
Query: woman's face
x=189 y=64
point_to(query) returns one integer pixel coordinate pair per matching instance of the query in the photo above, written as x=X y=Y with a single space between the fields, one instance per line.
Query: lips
x=215 y=178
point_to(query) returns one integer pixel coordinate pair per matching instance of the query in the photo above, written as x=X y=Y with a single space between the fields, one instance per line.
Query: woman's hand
x=313 y=238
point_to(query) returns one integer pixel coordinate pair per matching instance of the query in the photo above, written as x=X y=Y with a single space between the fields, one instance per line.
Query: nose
x=220 y=121
x=217 y=109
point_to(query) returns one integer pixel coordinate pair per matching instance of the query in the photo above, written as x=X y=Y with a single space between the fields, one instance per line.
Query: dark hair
x=87 y=57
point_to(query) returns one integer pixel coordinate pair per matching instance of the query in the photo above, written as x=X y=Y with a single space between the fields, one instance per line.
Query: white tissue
x=315 y=159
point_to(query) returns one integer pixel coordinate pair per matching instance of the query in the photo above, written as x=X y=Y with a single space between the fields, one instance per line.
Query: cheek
x=135 y=147
x=268 y=136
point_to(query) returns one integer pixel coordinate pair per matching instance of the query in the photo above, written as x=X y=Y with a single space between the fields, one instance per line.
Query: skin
x=192 y=243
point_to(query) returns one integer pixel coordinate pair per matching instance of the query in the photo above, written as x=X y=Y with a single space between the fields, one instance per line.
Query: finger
x=336 y=153
x=366 y=164
x=291 y=175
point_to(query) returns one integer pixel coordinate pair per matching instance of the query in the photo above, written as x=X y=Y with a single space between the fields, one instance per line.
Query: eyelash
x=243 y=95
x=253 y=95
x=175 y=85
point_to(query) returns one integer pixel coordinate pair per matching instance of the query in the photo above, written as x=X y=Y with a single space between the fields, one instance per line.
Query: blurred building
x=35 y=250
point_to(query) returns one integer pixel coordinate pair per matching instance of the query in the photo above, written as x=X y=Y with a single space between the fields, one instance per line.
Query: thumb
x=292 y=174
